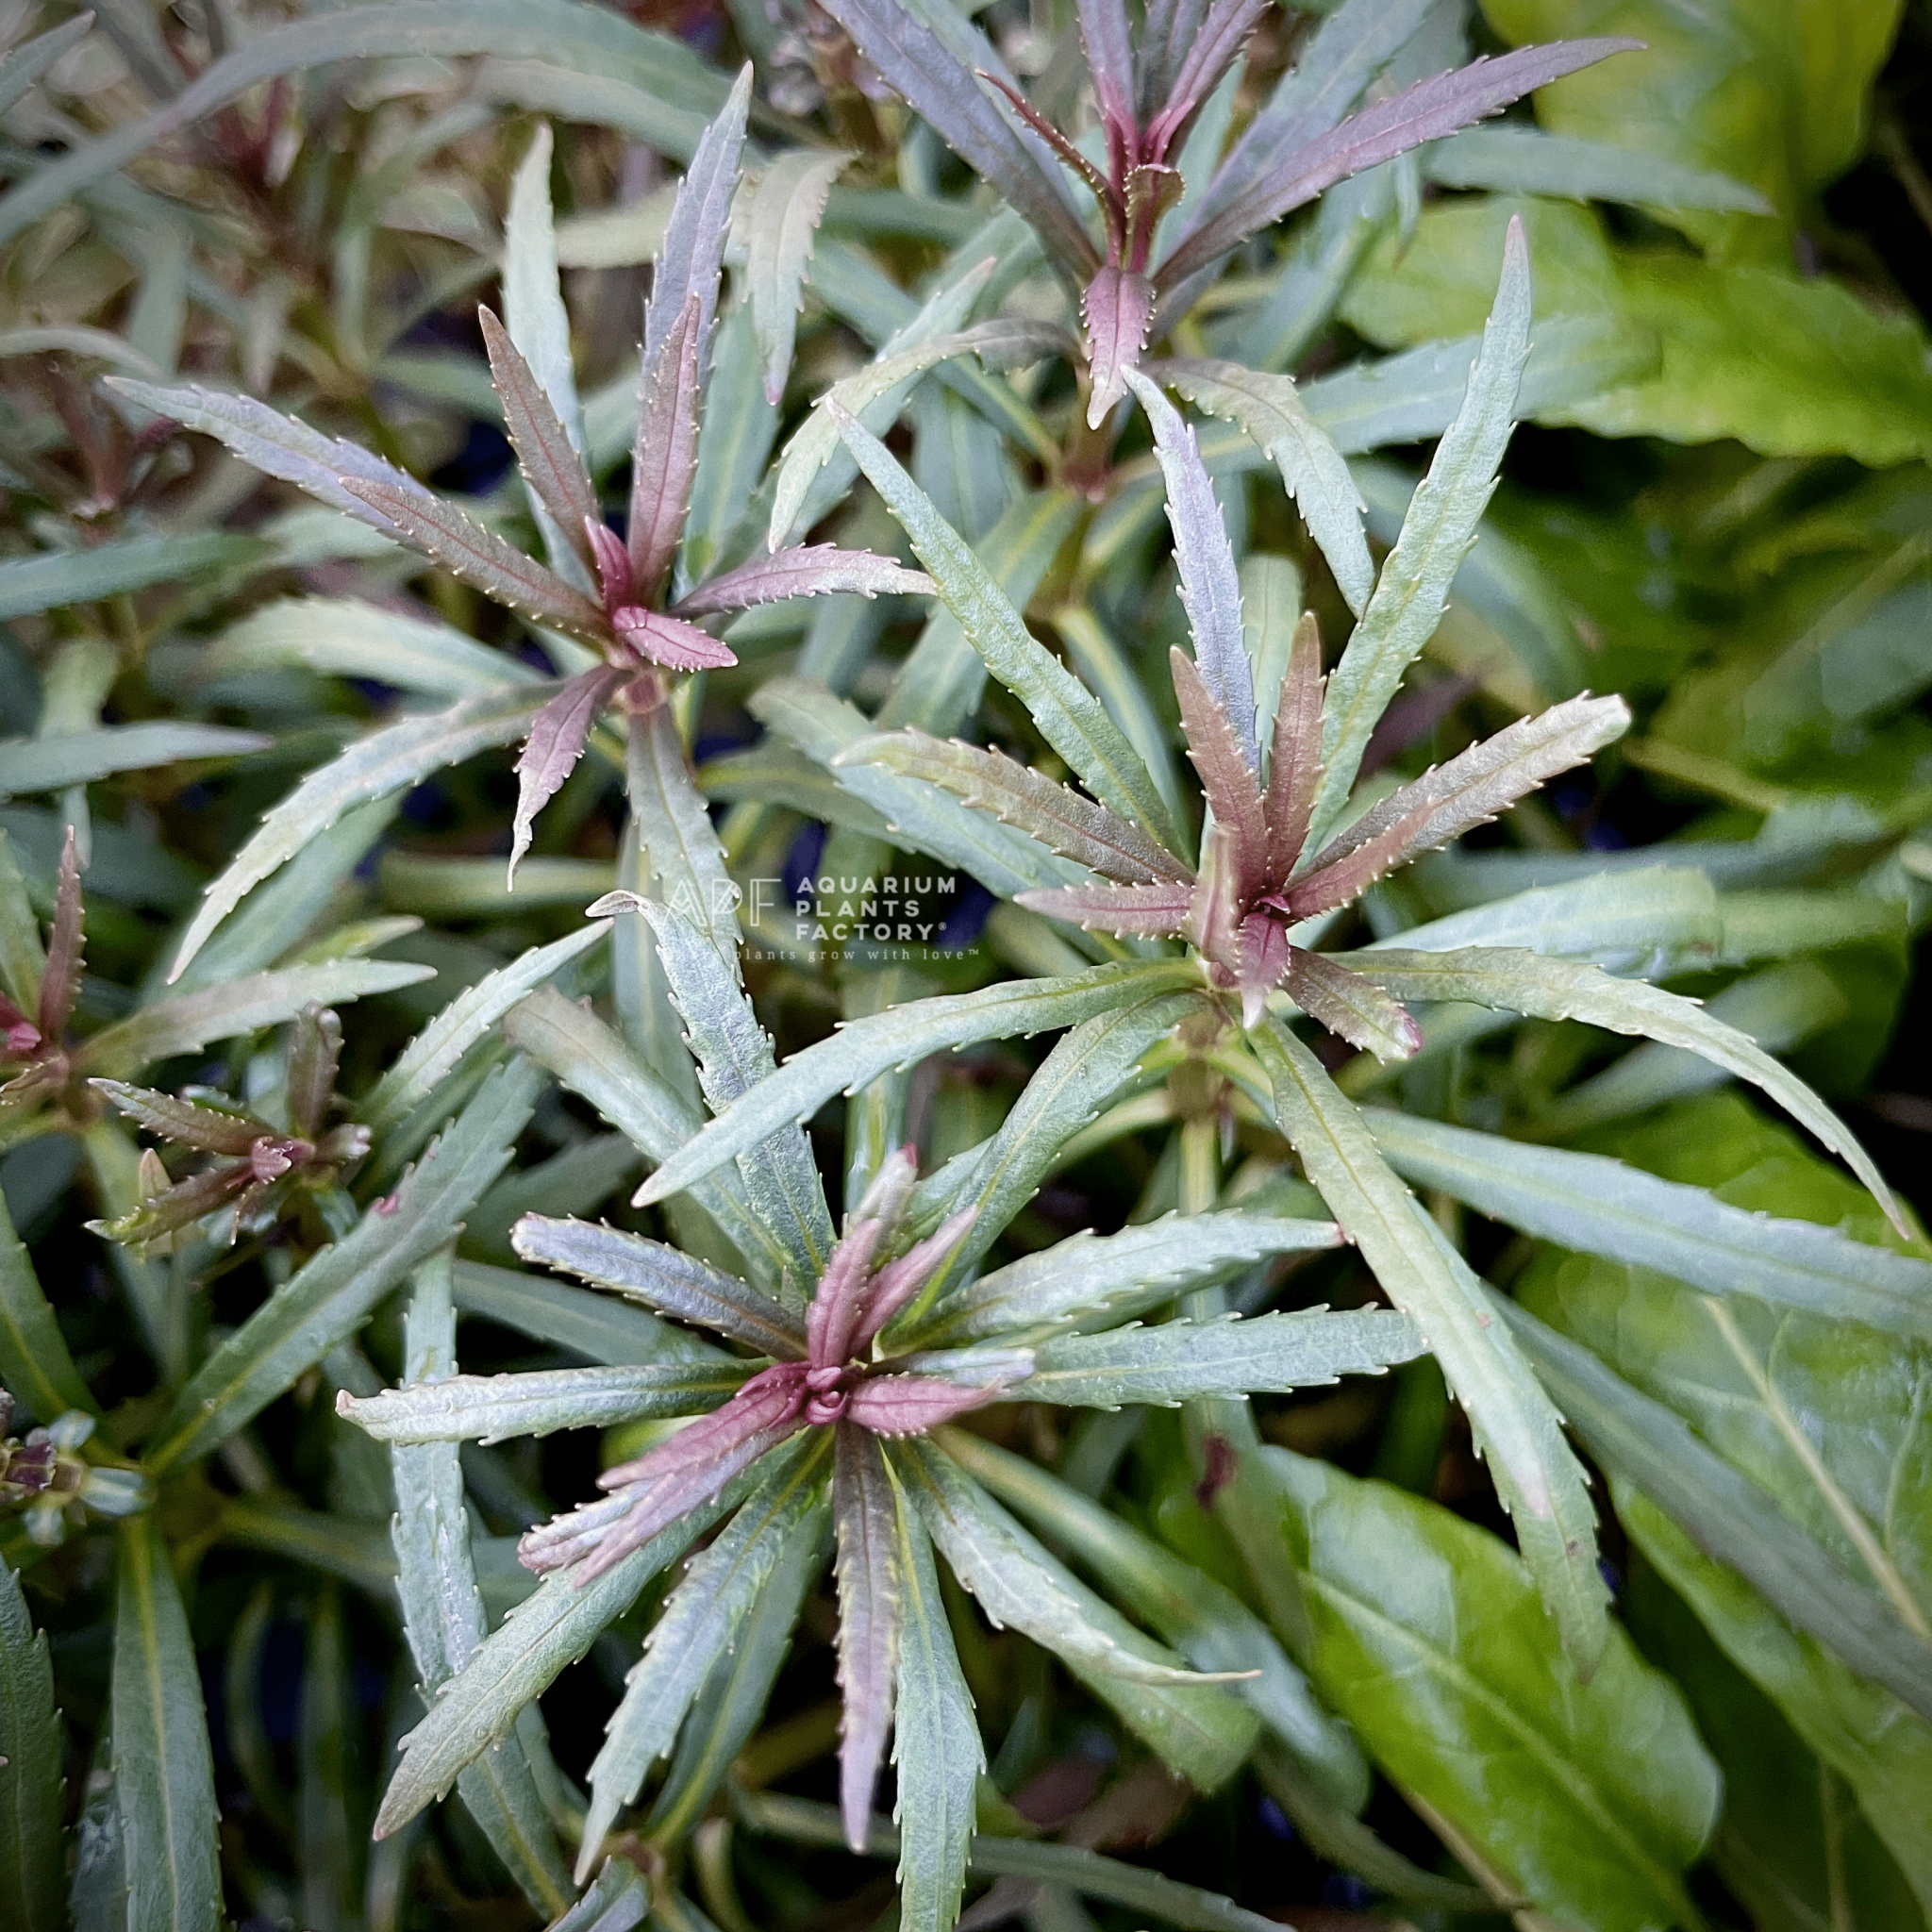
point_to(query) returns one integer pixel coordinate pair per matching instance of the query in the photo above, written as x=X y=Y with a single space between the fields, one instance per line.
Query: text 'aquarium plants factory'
x=958 y=965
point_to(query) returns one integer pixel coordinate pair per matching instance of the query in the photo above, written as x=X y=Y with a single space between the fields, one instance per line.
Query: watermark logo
x=819 y=915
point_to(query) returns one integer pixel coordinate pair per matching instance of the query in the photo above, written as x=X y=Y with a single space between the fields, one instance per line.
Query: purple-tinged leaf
x=664 y=1279
x=171 y=1209
x=671 y=641
x=481 y=558
x=1061 y=819
x=1348 y=876
x=1107 y=38
x=895 y=1285
x=915 y=62
x=316 y=1052
x=832 y=1320
x=1350 y=1006
x=804 y=570
x=1294 y=768
x=872 y=1606
x=555 y=744
x=912 y=1404
x=1261 y=960
x=781 y=226
x=1098 y=183
x=1210 y=588
x=61 y=977
x=692 y=256
x=1426 y=111
x=613 y=563
x=209 y=1129
x=665 y=457
x=1116 y=308
x=19 y=1036
x=1172 y=27
x=1148 y=911
x=1152 y=190
x=1486 y=779
x=551 y=465
x=1226 y=776
x=1212 y=50
x=279 y=446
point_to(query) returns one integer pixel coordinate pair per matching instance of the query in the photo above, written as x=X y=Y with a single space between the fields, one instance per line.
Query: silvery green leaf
x=539 y=327
x=697 y=1627
x=491 y=1408
x=1096 y=653
x=1204 y=1620
x=188 y=1021
x=866 y=1048
x=31 y=1838
x=330 y=1296
x=1530 y=160
x=428 y=1059
x=677 y=837
x=1195 y=1728
x=1564 y=989
x=1515 y=1427
x=734 y=438
x=594 y=1326
x=780 y=226
x=387 y=760
x=26 y=63
x=78 y=758
x=1068 y=716
x=617 y=1901
x=1182 y=1361
x=1598 y=1206
x=1413 y=588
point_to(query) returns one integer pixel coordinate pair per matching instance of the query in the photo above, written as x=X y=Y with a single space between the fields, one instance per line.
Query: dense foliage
x=956 y=965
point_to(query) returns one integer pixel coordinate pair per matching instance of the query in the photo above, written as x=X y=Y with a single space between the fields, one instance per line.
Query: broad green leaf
x=54 y=579
x=1205 y=1621
x=1088 y=1274
x=1068 y=716
x=331 y=1295
x=186 y=1022
x=617 y=1334
x=430 y=1059
x=936 y=1737
x=1185 y=1361
x=593 y=1062
x=659 y=88
x=1786 y=365
x=697 y=1627
x=36 y=1367
x=1599 y=1206
x=385 y=761
x=1515 y=1427
x=866 y=1048
x=1561 y=989
x=517 y=1662
x=780 y=226
x=48 y=765
x=31 y=1838
x=1589 y=1801
x=1198 y=1729
x=164 y=1777
x=1414 y=584
x=1271 y=411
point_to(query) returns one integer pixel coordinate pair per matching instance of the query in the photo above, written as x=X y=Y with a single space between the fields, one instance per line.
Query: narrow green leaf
x=385 y=761
x=1522 y=160
x=54 y=579
x=780 y=226
x=32 y=1848
x=164 y=1777
x=678 y=840
x=532 y=299
x=1515 y=1427
x=328 y=1298
x=26 y=63
x=866 y=1048
x=616 y=1334
x=35 y=1365
x=78 y=758
x=1413 y=588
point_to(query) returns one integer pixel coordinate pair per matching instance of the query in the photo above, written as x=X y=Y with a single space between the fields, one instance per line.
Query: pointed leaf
x=780 y=226
x=382 y=763
x=1562 y=990
x=1229 y=777
x=865 y=1048
x=872 y=1609
x=545 y=452
x=1424 y=112
x=915 y=62
x=479 y=557
x=1270 y=410
x=674 y=830
x=665 y=458
x=1146 y=911
x=164 y=1776
x=1116 y=306
x=809 y=570
x=31 y=1850
x=1206 y=55
x=1063 y=821
x=538 y=324
x=61 y=977
x=210 y=1129
x=1516 y=1428
x=1107 y=39
x=1413 y=588
x=1350 y=1005
x=1211 y=589
x=698 y=1625
x=24 y=64
x=493 y=1408
x=1069 y=716
x=662 y=1278
x=550 y=753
